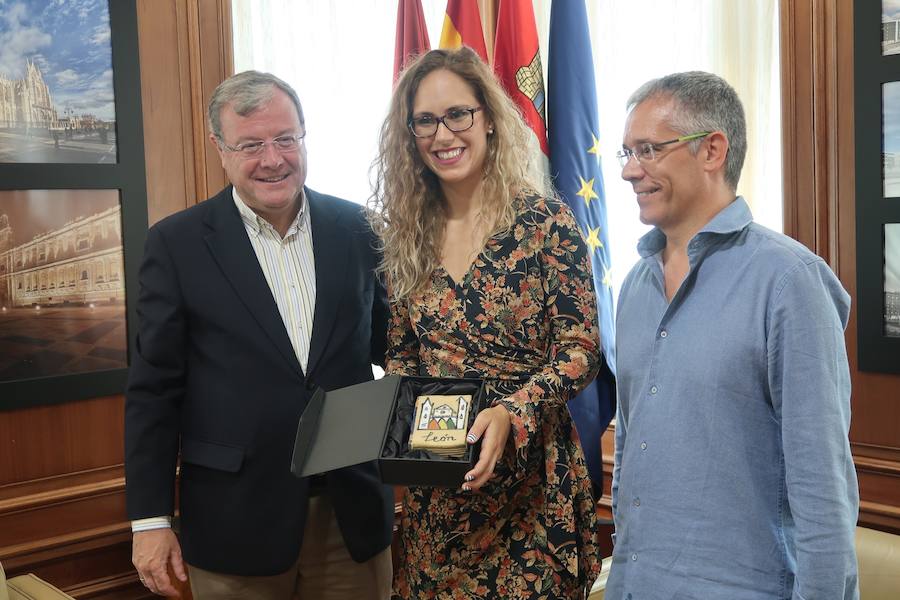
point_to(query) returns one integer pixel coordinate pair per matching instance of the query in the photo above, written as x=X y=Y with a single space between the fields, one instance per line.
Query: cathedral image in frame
x=57 y=103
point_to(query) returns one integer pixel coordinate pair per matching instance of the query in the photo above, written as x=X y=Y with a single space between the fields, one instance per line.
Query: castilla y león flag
x=517 y=63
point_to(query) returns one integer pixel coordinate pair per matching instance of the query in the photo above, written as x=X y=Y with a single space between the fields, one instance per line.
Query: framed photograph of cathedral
x=71 y=232
x=57 y=102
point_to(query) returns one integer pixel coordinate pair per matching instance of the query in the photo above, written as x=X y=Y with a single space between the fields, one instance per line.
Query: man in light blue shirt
x=733 y=475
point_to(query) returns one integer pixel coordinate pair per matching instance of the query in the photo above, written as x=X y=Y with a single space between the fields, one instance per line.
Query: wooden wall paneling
x=165 y=90
x=62 y=495
x=820 y=208
x=608 y=451
x=185 y=53
x=809 y=117
x=215 y=63
x=45 y=441
x=62 y=506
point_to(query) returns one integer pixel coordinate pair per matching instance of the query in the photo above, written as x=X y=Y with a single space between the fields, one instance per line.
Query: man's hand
x=494 y=424
x=151 y=552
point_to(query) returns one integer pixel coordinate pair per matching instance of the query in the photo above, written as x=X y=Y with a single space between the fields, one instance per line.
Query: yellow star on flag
x=595 y=149
x=587 y=191
x=607 y=277
x=593 y=239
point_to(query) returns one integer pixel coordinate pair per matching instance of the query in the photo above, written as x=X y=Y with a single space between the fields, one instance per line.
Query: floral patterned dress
x=524 y=318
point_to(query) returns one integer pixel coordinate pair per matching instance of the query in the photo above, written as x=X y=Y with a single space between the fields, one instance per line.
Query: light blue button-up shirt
x=733 y=476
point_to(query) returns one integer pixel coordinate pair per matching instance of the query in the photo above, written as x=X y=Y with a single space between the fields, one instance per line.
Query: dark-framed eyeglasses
x=456 y=120
x=283 y=143
x=646 y=152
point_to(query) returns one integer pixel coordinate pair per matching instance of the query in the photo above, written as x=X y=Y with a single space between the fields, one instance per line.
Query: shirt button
x=634 y=556
x=643 y=445
x=654 y=389
x=663 y=334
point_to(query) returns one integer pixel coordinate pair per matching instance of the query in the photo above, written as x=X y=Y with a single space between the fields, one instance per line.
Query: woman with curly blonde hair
x=489 y=277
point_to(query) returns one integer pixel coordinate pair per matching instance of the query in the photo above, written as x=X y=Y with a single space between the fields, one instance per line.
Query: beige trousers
x=324 y=571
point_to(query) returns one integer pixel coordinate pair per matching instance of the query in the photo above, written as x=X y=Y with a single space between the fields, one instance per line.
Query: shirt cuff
x=151 y=523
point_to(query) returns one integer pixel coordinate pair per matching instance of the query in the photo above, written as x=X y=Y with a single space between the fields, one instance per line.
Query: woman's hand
x=494 y=424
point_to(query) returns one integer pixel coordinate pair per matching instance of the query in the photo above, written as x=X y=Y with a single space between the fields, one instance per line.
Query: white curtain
x=748 y=32
x=339 y=57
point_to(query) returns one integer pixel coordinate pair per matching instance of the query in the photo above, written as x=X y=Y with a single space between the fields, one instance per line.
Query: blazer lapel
x=331 y=257
x=231 y=248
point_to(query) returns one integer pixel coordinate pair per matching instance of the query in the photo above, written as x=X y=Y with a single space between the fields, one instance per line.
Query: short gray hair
x=703 y=102
x=246 y=92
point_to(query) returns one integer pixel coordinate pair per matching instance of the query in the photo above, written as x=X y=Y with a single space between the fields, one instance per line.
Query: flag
x=517 y=63
x=412 y=34
x=575 y=169
x=462 y=27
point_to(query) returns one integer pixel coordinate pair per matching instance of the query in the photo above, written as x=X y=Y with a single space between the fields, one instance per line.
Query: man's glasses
x=646 y=152
x=456 y=120
x=283 y=143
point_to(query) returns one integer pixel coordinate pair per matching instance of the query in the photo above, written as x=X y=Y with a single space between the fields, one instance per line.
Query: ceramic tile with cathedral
x=440 y=424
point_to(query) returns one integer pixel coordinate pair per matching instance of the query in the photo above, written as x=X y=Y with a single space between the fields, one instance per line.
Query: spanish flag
x=517 y=63
x=412 y=34
x=462 y=27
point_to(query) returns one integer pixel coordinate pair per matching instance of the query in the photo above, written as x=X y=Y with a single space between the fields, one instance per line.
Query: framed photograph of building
x=62 y=284
x=71 y=234
x=57 y=101
x=890 y=145
x=890 y=27
x=892 y=280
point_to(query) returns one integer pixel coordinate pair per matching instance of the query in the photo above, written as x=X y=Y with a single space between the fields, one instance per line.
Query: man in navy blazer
x=248 y=302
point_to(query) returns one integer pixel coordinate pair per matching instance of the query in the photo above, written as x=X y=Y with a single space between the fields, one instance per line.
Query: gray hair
x=246 y=92
x=703 y=102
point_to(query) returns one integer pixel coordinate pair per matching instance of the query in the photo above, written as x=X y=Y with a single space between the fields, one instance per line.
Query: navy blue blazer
x=215 y=382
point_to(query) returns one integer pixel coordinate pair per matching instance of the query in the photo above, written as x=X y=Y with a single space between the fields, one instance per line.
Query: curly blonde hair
x=407 y=206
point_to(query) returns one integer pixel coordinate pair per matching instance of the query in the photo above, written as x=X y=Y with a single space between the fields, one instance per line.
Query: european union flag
x=573 y=131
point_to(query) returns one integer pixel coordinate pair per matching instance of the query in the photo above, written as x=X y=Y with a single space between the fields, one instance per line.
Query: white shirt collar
x=255 y=223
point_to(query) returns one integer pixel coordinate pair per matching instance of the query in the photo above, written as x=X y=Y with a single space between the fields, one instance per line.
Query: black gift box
x=370 y=421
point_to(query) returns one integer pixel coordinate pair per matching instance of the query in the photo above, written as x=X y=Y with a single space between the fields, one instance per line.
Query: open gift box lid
x=346 y=430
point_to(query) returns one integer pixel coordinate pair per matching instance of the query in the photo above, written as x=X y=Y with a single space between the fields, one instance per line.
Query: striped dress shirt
x=290 y=270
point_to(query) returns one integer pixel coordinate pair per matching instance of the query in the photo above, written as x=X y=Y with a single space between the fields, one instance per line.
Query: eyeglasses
x=283 y=144
x=456 y=120
x=646 y=152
